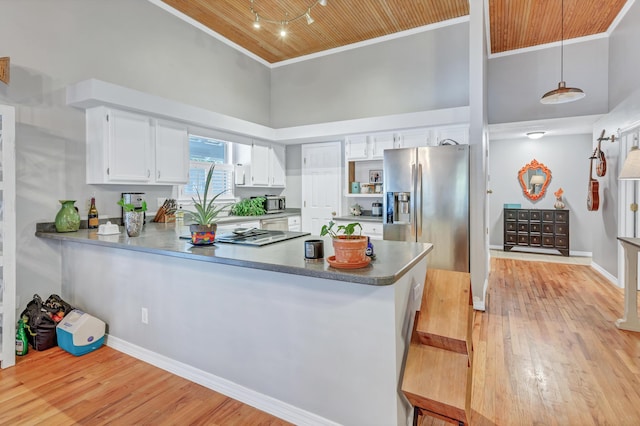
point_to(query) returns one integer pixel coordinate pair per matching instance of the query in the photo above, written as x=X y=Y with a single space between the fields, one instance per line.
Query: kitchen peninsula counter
x=303 y=341
x=393 y=259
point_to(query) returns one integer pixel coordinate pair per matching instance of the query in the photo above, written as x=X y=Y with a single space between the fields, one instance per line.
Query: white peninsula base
x=306 y=349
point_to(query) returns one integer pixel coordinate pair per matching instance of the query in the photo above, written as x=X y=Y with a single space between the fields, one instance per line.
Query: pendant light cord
x=562 y=42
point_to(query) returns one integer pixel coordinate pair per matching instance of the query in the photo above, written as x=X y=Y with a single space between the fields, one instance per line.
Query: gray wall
x=624 y=57
x=624 y=101
x=132 y=43
x=566 y=157
x=421 y=72
x=517 y=82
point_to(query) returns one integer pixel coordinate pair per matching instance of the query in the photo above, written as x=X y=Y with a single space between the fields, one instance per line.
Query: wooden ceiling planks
x=514 y=24
x=517 y=24
x=339 y=23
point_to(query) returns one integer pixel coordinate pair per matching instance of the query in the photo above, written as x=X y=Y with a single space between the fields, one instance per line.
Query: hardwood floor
x=547 y=352
x=104 y=387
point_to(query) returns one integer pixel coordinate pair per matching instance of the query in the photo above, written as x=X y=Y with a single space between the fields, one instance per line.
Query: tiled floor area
x=554 y=258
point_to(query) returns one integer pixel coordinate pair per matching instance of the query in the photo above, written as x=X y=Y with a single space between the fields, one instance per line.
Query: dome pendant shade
x=562 y=95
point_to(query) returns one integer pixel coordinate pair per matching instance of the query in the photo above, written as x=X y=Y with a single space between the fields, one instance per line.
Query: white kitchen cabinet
x=260 y=165
x=459 y=134
x=7 y=237
x=368 y=147
x=129 y=148
x=378 y=142
x=171 y=152
x=413 y=138
x=295 y=223
x=370 y=229
x=356 y=147
x=277 y=173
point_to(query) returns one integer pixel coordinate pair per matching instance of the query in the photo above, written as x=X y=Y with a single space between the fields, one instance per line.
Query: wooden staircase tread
x=438 y=380
x=446 y=315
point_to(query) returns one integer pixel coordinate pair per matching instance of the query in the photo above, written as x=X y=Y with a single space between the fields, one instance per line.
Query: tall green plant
x=206 y=211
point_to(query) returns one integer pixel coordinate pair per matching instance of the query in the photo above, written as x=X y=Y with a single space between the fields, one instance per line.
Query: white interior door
x=321 y=184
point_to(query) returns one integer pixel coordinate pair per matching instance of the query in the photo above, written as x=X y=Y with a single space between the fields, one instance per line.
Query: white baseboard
x=606 y=274
x=535 y=250
x=240 y=393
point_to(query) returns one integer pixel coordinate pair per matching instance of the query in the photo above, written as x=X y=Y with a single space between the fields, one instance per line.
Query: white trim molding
x=233 y=390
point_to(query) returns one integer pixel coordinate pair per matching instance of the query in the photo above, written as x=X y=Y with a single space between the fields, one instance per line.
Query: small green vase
x=68 y=218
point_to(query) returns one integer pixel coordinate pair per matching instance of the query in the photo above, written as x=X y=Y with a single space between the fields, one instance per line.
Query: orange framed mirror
x=534 y=179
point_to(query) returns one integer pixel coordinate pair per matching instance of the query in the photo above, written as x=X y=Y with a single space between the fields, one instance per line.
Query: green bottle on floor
x=22 y=345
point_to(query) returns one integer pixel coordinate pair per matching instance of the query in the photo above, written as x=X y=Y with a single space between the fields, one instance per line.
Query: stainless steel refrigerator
x=426 y=199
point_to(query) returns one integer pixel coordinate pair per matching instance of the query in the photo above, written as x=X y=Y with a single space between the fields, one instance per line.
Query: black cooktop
x=258 y=237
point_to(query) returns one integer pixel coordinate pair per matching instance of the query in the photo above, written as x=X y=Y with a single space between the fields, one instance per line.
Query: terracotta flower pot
x=350 y=249
x=203 y=234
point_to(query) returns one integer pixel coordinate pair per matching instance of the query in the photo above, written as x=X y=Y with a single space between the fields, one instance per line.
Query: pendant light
x=562 y=94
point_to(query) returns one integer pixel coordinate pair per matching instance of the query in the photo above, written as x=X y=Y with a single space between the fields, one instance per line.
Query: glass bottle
x=92 y=217
x=22 y=345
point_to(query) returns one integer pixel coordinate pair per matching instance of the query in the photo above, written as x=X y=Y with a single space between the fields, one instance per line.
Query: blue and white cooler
x=80 y=333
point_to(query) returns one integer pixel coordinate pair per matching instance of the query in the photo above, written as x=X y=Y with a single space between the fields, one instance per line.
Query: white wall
x=567 y=158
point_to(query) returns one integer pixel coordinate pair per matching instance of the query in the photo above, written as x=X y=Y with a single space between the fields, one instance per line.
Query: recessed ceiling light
x=535 y=135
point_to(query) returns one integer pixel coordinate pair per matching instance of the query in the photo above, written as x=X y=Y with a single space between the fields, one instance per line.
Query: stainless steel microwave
x=274 y=204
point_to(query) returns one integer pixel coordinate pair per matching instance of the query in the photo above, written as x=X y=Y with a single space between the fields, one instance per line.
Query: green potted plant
x=133 y=217
x=249 y=207
x=203 y=230
x=349 y=248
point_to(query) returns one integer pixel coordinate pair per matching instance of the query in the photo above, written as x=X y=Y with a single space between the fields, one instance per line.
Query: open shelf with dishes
x=364 y=178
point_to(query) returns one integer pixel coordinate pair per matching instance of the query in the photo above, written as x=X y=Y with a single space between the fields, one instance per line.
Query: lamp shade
x=562 y=95
x=537 y=180
x=631 y=167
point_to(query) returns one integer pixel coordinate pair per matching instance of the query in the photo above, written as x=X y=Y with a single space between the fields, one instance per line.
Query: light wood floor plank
x=107 y=387
x=548 y=352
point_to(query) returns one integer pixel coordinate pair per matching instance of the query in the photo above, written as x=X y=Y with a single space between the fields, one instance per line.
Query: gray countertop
x=361 y=218
x=393 y=258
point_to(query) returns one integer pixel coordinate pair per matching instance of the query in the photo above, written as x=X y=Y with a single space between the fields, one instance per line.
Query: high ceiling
x=514 y=24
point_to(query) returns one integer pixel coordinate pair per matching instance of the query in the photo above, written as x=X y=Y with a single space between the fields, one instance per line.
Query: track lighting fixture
x=258 y=18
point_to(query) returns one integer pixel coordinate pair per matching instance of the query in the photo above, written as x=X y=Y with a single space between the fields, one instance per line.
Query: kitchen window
x=204 y=151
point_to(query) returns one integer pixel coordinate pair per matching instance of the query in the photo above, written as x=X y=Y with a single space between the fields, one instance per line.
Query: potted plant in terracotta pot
x=203 y=230
x=349 y=248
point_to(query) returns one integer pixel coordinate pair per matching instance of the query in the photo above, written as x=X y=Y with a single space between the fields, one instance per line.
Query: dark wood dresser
x=548 y=229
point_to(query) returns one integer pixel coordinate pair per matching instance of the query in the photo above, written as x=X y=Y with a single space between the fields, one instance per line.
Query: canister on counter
x=313 y=249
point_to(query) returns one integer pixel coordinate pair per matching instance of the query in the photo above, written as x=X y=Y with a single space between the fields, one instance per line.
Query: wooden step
x=446 y=314
x=438 y=382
